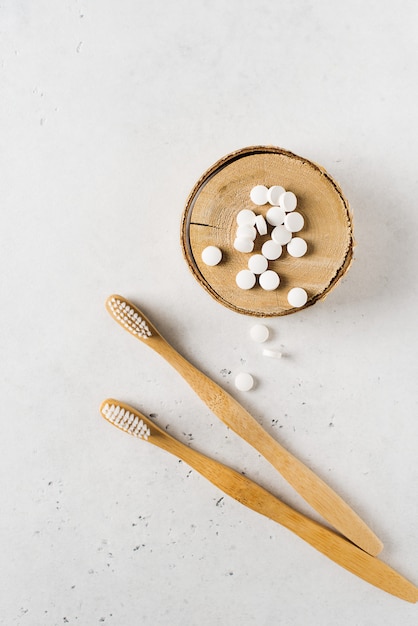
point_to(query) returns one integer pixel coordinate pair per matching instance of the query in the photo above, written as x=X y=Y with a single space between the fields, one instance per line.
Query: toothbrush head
x=126 y=418
x=129 y=317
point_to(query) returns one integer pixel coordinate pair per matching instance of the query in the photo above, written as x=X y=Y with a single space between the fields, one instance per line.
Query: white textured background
x=110 y=111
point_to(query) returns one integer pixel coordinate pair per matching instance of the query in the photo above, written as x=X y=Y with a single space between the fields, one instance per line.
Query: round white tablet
x=244 y=381
x=288 y=201
x=257 y=263
x=246 y=216
x=259 y=333
x=281 y=235
x=243 y=244
x=269 y=280
x=297 y=297
x=274 y=193
x=297 y=247
x=294 y=222
x=247 y=231
x=258 y=195
x=211 y=255
x=271 y=250
x=245 y=279
x=261 y=225
x=275 y=215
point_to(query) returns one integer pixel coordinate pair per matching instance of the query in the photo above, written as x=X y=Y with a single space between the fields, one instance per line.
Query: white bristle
x=129 y=318
x=126 y=420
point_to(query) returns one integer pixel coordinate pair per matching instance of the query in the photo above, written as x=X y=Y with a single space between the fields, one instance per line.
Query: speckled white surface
x=109 y=112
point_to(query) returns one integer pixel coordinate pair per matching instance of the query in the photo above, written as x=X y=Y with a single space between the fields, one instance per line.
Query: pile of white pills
x=283 y=221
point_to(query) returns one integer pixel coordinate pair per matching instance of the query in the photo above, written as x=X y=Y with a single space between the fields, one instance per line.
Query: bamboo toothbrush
x=249 y=493
x=319 y=495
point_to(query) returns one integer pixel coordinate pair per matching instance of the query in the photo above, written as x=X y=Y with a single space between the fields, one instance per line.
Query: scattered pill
x=244 y=381
x=269 y=280
x=247 y=231
x=257 y=263
x=297 y=297
x=211 y=255
x=259 y=333
x=275 y=215
x=245 y=279
x=274 y=193
x=258 y=195
x=297 y=247
x=246 y=216
x=294 y=222
x=243 y=244
x=288 y=201
x=261 y=225
x=281 y=235
x=275 y=354
x=271 y=250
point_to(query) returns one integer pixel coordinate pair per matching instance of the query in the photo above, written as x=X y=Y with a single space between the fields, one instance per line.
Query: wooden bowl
x=209 y=218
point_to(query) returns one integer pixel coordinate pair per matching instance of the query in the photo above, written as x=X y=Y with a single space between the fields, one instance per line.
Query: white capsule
x=294 y=222
x=281 y=235
x=274 y=193
x=246 y=216
x=274 y=354
x=258 y=195
x=271 y=250
x=211 y=255
x=297 y=247
x=243 y=244
x=288 y=201
x=297 y=297
x=245 y=279
x=275 y=215
x=261 y=225
x=257 y=263
x=247 y=231
x=259 y=333
x=269 y=280
x=244 y=381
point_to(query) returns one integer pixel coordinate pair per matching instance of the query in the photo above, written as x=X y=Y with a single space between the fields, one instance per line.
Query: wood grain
x=209 y=218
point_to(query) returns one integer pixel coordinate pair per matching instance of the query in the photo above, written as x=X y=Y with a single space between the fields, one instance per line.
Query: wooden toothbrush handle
x=312 y=488
x=337 y=548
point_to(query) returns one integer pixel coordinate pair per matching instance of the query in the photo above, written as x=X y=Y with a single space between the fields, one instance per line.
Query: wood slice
x=210 y=214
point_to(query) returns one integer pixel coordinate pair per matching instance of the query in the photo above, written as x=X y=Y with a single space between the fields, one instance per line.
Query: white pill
x=243 y=244
x=211 y=255
x=274 y=354
x=297 y=297
x=246 y=216
x=271 y=250
x=261 y=225
x=257 y=263
x=281 y=235
x=269 y=280
x=297 y=247
x=288 y=201
x=258 y=195
x=294 y=222
x=274 y=193
x=247 y=231
x=275 y=215
x=244 y=381
x=245 y=279
x=259 y=333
